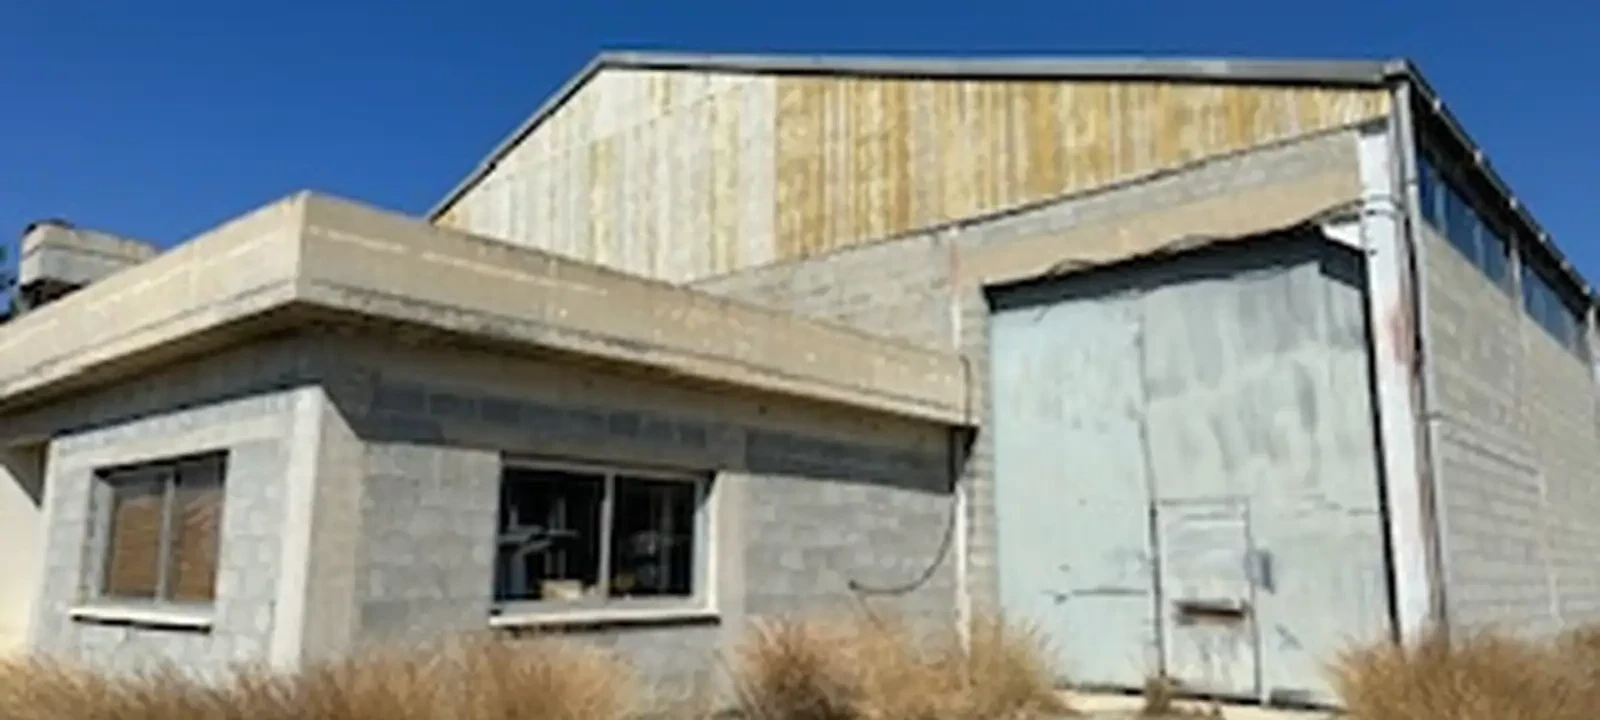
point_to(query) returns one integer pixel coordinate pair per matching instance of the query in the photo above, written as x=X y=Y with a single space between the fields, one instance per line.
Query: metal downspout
x=1417 y=274
x=961 y=488
x=1594 y=353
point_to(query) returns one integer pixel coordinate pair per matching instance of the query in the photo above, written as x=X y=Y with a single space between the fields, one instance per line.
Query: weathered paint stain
x=1399 y=323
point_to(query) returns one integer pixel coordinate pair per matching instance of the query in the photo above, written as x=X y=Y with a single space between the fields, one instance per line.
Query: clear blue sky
x=158 y=119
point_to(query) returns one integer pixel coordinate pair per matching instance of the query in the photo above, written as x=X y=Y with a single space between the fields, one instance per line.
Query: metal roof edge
x=546 y=109
x=1314 y=71
x=1408 y=71
x=1289 y=71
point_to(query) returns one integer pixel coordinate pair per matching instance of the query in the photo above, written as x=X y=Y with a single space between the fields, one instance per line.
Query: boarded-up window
x=133 y=563
x=164 y=529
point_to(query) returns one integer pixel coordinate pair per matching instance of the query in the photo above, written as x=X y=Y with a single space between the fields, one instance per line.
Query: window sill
x=533 y=620
x=161 y=618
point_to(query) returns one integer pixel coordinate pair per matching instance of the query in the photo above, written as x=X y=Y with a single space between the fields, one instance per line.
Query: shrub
x=1480 y=676
x=478 y=678
x=873 y=668
x=860 y=668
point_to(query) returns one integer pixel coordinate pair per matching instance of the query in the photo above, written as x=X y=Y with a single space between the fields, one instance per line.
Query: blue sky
x=159 y=119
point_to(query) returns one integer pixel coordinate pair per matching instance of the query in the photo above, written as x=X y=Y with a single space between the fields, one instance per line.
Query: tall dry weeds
x=870 y=668
x=1009 y=670
x=471 y=678
x=1482 y=676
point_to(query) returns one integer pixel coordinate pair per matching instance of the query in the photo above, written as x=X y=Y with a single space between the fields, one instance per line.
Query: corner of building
x=22 y=470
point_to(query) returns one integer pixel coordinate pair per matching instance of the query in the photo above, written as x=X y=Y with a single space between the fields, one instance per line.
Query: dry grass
x=1160 y=692
x=1163 y=698
x=867 y=668
x=856 y=669
x=475 y=678
x=1477 y=677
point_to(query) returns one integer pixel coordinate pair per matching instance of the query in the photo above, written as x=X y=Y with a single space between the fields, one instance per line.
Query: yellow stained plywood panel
x=1084 y=118
x=1000 y=144
x=799 y=163
x=990 y=137
x=836 y=156
x=683 y=175
x=1043 y=134
x=953 y=177
x=869 y=123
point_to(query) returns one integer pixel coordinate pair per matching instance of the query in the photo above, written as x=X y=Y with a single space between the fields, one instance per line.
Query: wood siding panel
x=798 y=160
x=683 y=175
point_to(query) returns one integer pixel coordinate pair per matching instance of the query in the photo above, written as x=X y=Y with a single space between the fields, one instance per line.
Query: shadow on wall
x=25 y=465
x=22 y=518
x=1223 y=262
x=405 y=411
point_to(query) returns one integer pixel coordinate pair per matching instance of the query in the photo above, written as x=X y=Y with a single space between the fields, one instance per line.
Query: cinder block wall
x=240 y=401
x=1516 y=459
x=805 y=498
x=928 y=287
x=397 y=543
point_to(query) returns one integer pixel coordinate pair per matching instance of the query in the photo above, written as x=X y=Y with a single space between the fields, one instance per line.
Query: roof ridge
x=1044 y=63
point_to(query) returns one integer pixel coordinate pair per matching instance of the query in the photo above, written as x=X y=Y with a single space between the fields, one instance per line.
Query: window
x=582 y=536
x=1428 y=193
x=1551 y=309
x=1453 y=214
x=163 y=530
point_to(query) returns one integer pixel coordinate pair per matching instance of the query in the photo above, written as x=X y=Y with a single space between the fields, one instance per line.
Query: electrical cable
x=956 y=459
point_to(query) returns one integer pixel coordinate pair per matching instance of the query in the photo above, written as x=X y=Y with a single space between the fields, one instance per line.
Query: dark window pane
x=652 y=543
x=1532 y=299
x=1550 y=309
x=1496 y=253
x=133 y=544
x=1461 y=224
x=549 y=535
x=196 y=531
x=1428 y=193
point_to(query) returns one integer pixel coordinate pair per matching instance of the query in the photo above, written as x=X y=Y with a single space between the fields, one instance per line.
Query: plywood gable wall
x=683 y=175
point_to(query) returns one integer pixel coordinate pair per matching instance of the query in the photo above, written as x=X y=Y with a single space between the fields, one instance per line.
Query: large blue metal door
x=1212 y=411
x=1073 y=516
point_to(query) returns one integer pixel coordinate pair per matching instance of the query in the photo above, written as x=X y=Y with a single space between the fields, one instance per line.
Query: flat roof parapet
x=310 y=258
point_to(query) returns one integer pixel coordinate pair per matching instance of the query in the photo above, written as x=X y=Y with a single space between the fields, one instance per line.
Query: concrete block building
x=1206 y=368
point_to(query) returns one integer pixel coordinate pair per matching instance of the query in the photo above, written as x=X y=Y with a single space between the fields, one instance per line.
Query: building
x=1204 y=367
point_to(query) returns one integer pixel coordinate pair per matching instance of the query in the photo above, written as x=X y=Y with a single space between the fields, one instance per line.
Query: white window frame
x=701 y=601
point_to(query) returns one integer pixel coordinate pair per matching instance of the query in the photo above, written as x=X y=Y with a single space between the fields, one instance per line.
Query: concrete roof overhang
x=314 y=259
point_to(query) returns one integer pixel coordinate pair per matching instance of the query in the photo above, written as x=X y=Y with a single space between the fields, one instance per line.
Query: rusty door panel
x=1073 y=519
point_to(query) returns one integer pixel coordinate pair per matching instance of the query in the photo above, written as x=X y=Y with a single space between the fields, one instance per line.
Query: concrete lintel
x=1222 y=218
x=347 y=262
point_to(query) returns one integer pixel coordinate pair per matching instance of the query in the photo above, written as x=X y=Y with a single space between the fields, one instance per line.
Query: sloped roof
x=1354 y=73
x=1395 y=72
